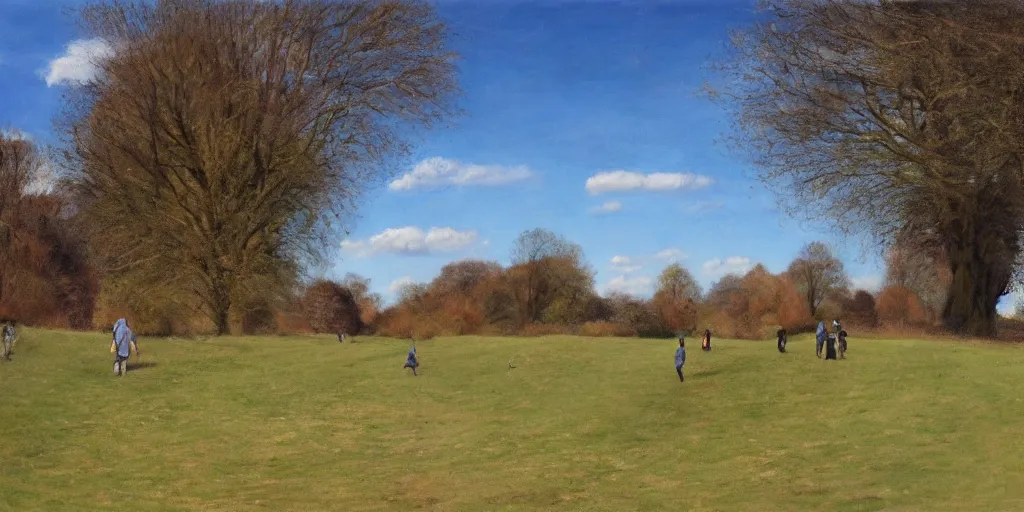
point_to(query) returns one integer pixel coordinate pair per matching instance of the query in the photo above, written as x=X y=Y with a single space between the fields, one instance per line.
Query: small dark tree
x=331 y=308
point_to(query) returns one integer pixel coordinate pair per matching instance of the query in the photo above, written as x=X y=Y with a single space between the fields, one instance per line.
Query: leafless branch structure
x=224 y=141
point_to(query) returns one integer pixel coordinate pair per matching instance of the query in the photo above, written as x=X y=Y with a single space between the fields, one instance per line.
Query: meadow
x=306 y=423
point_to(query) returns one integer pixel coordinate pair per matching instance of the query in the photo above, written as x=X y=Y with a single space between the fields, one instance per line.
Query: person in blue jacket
x=410 y=360
x=122 y=344
x=820 y=337
x=680 y=358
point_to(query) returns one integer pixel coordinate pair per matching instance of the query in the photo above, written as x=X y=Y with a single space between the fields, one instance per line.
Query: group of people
x=833 y=344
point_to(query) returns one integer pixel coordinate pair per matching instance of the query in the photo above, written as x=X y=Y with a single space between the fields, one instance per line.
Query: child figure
x=8 y=340
x=410 y=360
x=705 y=345
x=680 y=358
x=781 y=333
x=122 y=345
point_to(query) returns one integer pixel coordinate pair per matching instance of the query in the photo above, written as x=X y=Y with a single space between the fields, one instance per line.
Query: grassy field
x=581 y=424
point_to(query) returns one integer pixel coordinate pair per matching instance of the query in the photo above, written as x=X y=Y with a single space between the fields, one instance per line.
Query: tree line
x=548 y=288
x=222 y=146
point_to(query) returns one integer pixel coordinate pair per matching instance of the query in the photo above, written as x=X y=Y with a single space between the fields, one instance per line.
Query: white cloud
x=639 y=285
x=437 y=171
x=625 y=264
x=78 y=64
x=622 y=181
x=397 y=285
x=731 y=265
x=411 y=240
x=670 y=255
x=871 y=283
x=608 y=207
x=628 y=265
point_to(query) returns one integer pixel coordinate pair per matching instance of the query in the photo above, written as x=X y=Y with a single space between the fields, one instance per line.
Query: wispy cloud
x=637 y=285
x=411 y=240
x=78 y=64
x=398 y=284
x=608 y=207
x=625 y=264
x=625 y=181
x=438 y=171
x=731 y=265
x=629 y=264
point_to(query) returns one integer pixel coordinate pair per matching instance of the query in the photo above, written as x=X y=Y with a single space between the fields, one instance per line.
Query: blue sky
x=556 y=96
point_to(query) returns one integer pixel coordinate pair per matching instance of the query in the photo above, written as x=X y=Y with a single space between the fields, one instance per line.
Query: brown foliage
x=860 y=310
x=794 y=314
x=678 y=315
x=45 y=278
x=899 y=307
x=331 y=308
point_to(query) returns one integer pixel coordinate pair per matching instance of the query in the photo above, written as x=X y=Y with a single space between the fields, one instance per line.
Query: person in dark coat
x=706 y=344
x=782 y=340
x=830 y=347
x=680 y=358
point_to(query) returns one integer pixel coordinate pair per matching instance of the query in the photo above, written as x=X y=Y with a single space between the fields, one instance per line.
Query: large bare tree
x=224 y=140
x=895 y=118
x=818 y=275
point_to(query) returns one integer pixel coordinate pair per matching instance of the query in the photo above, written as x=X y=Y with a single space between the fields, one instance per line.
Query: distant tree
x=370 y=303
x=817 y=274
x=726 y=295
x=678 y=283
x=540 y=261
x=895 y=118
x=923 y=271
x=331 y=308
x=235 y=135
x=859 y=309
x=793 y=310
x=899 y=307
x=461 y=277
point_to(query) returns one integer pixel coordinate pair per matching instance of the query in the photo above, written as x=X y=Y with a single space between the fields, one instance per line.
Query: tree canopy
x=222 y=140
x=896 y=119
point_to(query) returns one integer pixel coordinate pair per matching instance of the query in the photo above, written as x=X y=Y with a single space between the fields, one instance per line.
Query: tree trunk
x=979 y=279
x=220 y=306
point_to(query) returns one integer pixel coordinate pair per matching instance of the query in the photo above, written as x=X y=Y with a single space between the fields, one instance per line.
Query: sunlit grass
x=579 y=424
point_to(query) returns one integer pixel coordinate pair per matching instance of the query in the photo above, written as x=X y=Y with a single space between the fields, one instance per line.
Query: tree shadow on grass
x=707 y=374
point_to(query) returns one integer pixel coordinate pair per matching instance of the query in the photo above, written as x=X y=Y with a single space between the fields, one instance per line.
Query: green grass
x=582 y=424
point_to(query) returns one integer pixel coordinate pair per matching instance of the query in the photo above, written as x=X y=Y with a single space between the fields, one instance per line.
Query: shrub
x=539 y=329
x=331 y=308
x=900 y=307
x=605 y=329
